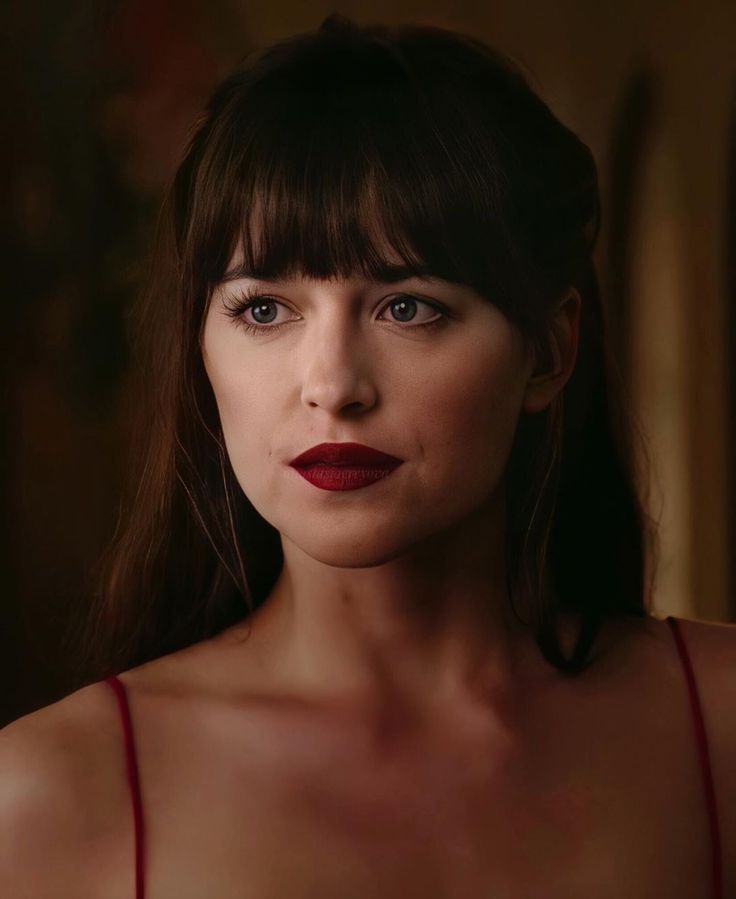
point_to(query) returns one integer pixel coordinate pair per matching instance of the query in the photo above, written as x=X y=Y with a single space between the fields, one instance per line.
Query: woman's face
x=352 y=362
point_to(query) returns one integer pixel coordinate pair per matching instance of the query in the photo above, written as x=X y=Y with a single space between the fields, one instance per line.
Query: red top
x=698 y=726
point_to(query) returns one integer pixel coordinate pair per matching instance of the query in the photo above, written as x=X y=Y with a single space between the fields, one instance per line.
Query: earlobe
x=554 y=359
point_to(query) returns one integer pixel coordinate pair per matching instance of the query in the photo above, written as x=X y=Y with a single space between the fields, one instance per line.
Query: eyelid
x=250 y=296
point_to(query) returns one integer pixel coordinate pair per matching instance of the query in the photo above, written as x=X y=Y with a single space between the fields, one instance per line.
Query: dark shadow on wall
x=633 y=128
x=99 y=101
x=730 y=332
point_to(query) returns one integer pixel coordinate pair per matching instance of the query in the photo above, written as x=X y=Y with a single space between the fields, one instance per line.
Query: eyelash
x=247 y=298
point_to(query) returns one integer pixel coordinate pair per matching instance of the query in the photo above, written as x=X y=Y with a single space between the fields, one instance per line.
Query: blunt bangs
x=349 y=160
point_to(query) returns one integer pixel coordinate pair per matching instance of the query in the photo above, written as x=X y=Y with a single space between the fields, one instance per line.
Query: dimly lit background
x=100 y=99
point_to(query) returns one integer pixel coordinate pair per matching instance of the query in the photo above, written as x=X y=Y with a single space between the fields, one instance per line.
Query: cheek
x=242 y=400
x=471 y=410
x=248 y=411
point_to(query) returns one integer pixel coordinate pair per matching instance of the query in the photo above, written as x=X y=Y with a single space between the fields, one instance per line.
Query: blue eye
x=248 y=299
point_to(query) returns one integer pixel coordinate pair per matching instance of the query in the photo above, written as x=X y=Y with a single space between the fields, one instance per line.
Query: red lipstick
x=344 y=466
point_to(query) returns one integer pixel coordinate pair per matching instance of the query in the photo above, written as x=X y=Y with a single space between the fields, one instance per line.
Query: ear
x=555 y=360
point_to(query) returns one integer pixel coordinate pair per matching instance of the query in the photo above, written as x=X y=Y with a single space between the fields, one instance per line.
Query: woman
x=378 y=603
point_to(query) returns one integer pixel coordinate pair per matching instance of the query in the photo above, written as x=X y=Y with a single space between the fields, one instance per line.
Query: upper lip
x=344 y=454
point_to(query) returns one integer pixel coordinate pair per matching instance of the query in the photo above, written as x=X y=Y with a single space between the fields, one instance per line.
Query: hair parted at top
x=324 y=154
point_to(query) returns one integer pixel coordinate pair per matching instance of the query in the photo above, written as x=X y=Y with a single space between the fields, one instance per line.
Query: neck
x=430 y=629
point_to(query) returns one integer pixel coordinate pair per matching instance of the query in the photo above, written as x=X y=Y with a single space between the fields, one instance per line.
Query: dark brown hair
x=338 y=143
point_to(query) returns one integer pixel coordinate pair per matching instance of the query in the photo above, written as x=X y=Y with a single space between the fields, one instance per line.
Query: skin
x=381 y=727
x=392 y=595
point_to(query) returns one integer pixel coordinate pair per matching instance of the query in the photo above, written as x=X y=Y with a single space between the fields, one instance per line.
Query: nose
x=337 y=375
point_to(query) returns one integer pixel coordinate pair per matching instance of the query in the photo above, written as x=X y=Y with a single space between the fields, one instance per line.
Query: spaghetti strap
x=700 y=736
x=702 y=742
x=133 y=781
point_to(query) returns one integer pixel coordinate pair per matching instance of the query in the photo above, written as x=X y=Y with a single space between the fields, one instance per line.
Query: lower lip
x=334 y=477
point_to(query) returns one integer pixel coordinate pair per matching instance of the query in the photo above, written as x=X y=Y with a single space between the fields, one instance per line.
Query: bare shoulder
x=712 y=649
x=711 y=646
x=62 y=788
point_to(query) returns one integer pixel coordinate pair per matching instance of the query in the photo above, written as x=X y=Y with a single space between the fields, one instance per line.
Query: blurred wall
x=99 y=101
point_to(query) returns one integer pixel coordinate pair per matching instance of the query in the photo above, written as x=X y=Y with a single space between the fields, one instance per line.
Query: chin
x=342 y=552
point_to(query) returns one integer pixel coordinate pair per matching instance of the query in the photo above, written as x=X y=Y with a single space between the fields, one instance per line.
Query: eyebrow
x=387 y=274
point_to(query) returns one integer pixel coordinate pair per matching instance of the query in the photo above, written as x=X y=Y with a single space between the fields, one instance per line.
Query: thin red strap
x=133 y=781
x=702 y=741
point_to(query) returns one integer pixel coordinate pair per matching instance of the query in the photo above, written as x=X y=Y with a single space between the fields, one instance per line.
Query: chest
x=598 y=809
